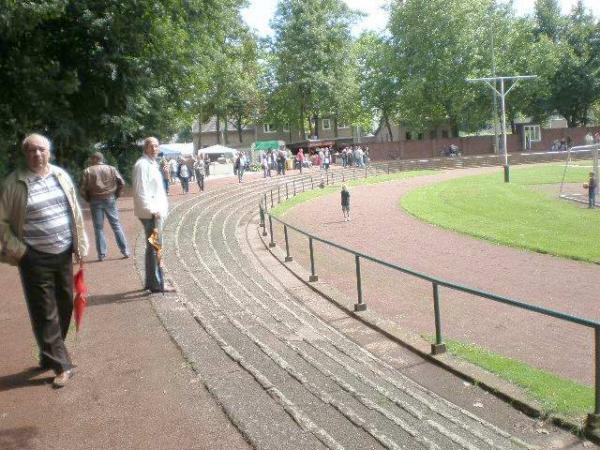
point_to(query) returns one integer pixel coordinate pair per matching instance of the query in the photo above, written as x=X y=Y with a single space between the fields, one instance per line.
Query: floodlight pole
x=515 y=79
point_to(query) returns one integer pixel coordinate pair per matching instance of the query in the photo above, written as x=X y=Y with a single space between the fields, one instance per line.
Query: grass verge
x=284 y=206
x=556 y=395
x=513 y=213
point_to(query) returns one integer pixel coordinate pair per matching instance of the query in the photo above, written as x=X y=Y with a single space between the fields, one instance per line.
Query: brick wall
x=476 y=145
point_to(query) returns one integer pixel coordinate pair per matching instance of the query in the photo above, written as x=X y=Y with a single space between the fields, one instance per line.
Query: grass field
x=516 y=213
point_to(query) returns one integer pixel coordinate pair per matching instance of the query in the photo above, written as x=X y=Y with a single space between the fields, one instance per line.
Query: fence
x=300 y=185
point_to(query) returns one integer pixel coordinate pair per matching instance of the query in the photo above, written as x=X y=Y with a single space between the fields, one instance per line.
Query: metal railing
x=439 y=346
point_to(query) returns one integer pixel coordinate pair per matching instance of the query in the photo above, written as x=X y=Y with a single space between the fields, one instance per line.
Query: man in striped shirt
x=41 y=228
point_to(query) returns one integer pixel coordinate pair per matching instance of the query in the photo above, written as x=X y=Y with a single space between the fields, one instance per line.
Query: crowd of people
x=184 y=170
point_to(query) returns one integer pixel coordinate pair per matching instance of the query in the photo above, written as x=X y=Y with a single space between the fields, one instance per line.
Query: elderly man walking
x=41 y=228
x=100 y=186
x=151 y=207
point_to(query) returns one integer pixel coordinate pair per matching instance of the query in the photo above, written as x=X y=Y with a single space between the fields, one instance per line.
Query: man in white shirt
x=150 y=205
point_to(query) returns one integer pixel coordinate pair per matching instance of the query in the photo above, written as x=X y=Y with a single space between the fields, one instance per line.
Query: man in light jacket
x=150 y=205
x=41 y=229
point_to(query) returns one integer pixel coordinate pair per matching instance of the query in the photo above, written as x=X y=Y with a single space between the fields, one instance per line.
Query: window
x=408 y=135
x=326 y=124
x=533 y=131
x=286 y=127
x=268 y=128
x=444 y=134
x=344 y=125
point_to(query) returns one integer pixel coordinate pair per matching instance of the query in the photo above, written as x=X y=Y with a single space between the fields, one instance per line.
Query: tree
x=311 y=50
x=436 y=45
x=548 y=19
x=88 y=72
x=575 y=85
x=379 y=84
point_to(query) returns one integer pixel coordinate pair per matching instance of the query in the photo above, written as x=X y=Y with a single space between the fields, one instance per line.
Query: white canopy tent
x=218 y=150
x=174 y=150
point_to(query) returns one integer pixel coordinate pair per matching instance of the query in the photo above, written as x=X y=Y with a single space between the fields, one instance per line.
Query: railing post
x=271 y=198
x=294 y=185
x=388 y=167
x=592 y=424
x=360 y=306
x=288 y=258
x=261 y=214
x=278 y=194
x=343 y=180
x=313 y=275
x=366 y=173
x=303 y=189
x=287 y=194
x=327 y=180
x=312 y=183
x=439 y=347
x=272 y=243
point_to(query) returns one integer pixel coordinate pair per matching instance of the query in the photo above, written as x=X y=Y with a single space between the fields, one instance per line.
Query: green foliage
x=90 y=72
x=515 y=213
x=313 y=75
x=576 y=83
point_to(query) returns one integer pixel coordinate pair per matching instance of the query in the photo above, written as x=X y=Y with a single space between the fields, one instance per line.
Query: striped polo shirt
x=48 y=216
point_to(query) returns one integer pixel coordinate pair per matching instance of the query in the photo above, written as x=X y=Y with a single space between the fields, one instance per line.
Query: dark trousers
x=200 y=180
x=48 y=284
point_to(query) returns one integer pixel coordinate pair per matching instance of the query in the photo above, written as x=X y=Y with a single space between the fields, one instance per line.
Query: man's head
x=97 y=158
x=151 y=148
x=37 y=153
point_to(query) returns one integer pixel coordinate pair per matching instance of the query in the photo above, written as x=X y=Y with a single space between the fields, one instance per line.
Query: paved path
x=133 y=389
x=273 y=354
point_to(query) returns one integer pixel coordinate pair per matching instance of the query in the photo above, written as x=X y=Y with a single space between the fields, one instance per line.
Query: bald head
x=151 y=147
x=37 y=153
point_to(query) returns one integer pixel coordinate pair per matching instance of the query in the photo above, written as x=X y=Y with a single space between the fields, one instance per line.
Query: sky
x=260 y=12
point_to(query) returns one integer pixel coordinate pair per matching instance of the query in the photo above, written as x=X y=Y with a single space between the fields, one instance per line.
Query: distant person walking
x=100 y=186
x=184 y=176
x=591 y=186
x=41 y=229
x=150 y=205
x=200 y=171
x=300 y=159
x=345 y=196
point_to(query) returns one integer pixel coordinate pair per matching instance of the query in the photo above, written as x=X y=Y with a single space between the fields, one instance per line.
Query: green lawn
x=284 y=206
x=555 y=394
x=516 y=213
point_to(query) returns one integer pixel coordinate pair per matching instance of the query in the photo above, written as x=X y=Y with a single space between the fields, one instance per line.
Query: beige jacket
x=13 y=205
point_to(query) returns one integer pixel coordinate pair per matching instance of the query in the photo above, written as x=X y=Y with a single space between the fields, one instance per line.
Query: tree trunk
x=389 y=128
x=226 y=131
x=335 y=127
x=302 y=129
x=239 y=128
x=316 y=133
x=218 y=128
x=199 y=133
